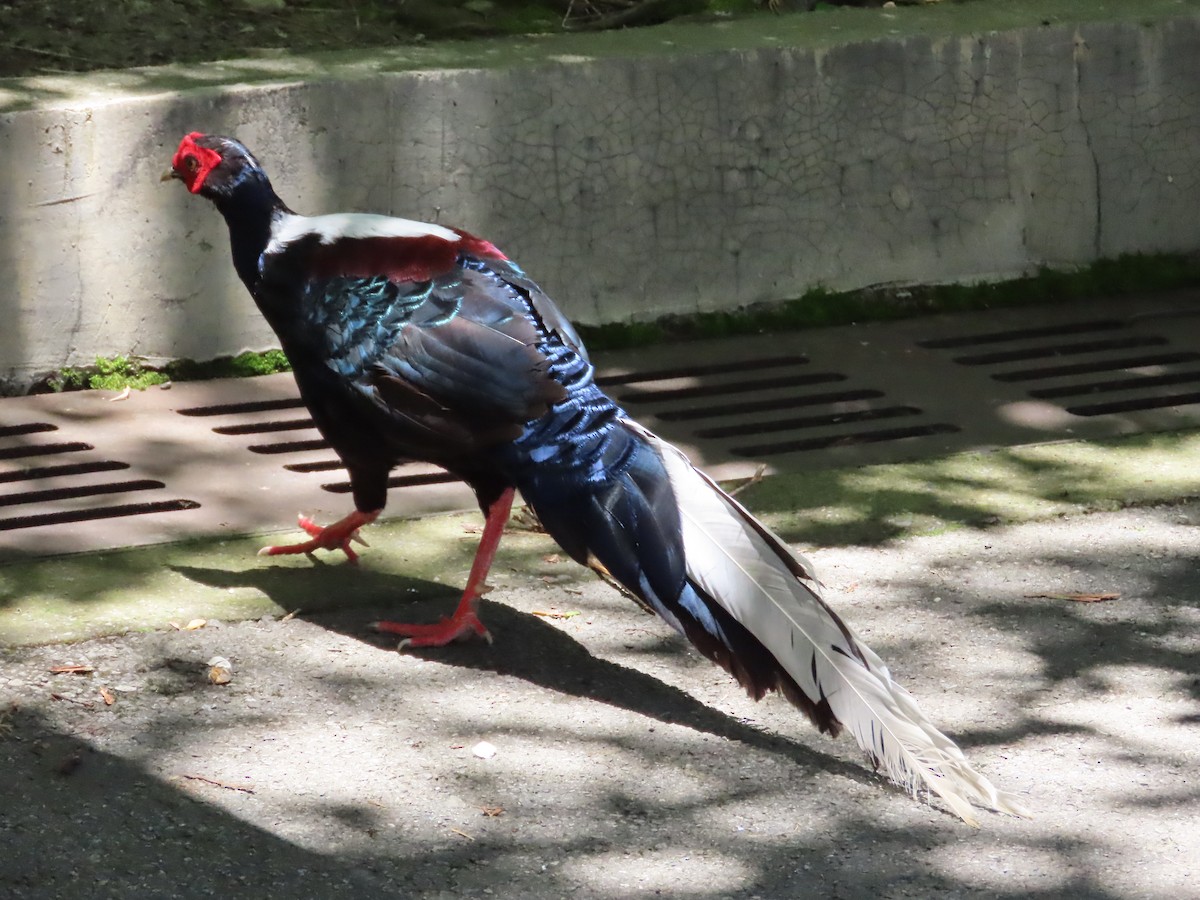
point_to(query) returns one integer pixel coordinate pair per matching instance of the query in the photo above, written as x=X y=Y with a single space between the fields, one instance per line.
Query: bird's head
x=213 y=166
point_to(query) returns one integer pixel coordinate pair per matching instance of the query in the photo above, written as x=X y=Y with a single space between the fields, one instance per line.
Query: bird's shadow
x=525 y=647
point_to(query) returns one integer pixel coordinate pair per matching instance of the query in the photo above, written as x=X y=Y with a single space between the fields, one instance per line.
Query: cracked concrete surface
x=624 y=765
x=629 y=185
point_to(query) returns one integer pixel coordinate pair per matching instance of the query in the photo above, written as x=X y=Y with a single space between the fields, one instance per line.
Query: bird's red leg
x=464 y=622
x=332 y=537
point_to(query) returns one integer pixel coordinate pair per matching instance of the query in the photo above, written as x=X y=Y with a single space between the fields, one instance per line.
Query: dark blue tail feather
x=620 y=511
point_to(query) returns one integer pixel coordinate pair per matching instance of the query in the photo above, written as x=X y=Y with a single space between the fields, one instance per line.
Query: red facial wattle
x=192 y=163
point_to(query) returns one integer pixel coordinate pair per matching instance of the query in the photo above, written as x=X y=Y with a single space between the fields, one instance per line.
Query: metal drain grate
x=678 y=393
x=43 y=492
x=78 y=472
x=779 y=404
x=1054 y=350
x=700 y=369
x=1022 y=334
x=707 y=404
x=27 y=428
x=1104 y=365
x=248 y=420
x=1134 y=381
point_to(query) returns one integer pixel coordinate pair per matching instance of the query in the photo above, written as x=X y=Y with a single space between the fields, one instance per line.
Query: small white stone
x=484 y=750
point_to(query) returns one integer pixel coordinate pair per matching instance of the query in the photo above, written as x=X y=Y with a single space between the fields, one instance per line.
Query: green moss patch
x=874 y=504
x=120 y=372
x=1128 y=274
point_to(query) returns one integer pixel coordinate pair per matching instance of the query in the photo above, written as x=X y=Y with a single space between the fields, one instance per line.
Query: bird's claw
x=330 y=537
x=446 y=631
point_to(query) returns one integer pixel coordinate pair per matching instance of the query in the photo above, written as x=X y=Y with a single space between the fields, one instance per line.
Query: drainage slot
x=42 y=449
x=845 y=440
x=231 y=409
x=745 y=365
x=1103 y=365
x=266 y=427
x=85 y=490
x=31 y=428
x=289 y=447
x=734 y=387
x=1120 y=384
x=61 y=471
x=1120 y=406
x=398 y=481
x=324 y=465
x=1003 y=356
x=103 y=512
x=770 y=405
x=1020 y=334
x=862 y=415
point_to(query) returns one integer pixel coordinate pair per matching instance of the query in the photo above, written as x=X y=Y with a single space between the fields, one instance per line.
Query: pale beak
x=169 y=174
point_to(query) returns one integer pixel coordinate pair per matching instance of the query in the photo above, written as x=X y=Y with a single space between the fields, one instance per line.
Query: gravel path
x=595 y=756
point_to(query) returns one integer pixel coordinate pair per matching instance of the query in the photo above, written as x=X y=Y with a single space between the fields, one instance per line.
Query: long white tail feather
x=737 y=561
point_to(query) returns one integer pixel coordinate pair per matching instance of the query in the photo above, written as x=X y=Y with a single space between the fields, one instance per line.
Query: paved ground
x=623 y=765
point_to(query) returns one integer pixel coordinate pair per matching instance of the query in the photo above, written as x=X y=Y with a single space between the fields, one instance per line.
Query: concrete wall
x=630 y=187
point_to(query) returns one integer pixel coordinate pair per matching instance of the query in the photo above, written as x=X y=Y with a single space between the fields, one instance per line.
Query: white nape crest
x=288 y=227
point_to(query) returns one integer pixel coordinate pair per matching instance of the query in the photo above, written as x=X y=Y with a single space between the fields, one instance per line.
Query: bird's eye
x=191 y=164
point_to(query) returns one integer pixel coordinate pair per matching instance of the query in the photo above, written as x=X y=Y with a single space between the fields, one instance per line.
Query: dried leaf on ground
x=107 y=696
x=492 y=811
x=524 y=519
x=72 y=670
x=555 y=614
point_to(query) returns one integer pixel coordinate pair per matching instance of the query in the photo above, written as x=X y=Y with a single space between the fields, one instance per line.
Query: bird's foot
x=460 y=626
x=465 y=621
x=337 y=536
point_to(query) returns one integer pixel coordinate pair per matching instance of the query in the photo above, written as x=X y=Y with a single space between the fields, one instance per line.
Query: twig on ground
x=86 y=704
x=220 y=784
x=753 y=479
x=1075 y=597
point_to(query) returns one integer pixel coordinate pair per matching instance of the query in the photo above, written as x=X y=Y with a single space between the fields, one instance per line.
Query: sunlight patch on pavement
x=670 y=872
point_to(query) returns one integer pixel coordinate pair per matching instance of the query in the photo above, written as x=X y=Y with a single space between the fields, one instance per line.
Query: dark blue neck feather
x=249 y=208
